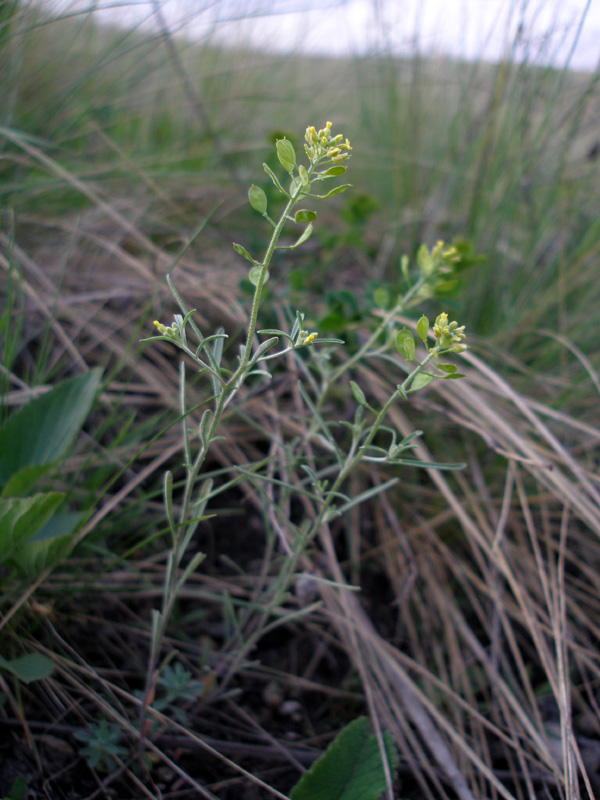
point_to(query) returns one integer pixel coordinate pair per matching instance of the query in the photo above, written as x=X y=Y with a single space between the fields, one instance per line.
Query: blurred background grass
x=502 y=154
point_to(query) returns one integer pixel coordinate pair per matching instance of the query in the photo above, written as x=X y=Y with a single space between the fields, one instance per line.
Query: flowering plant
x=326 y=156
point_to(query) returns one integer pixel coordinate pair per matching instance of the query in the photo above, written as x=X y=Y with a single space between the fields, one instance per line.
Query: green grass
x=481 y=588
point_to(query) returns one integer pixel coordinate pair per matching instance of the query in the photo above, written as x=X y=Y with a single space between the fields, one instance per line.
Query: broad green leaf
x=286 y=154
x=43 y=429
x=21 y=518
x=421 y=381
x=32 y=667
x=23 y=481
x=304 y=176
x=32 y=558
x=258 y=199
x=18 y=791
x=423 y=328
x=405 y=344
x=245 y=254
x=425 y=260
x=350 y=769
x=333 y=172
x=303 y=215
x=449 y=368
x=381 y=297
x=254 y=276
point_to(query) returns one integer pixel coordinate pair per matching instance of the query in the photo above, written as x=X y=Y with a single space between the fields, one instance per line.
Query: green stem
x=401 y=304
x=354 y=454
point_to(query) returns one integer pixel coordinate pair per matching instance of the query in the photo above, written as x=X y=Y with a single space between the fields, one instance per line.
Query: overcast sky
x=551 y=31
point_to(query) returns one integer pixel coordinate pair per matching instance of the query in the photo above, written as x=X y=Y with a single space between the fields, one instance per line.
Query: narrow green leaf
x=275 y=179
x=414 y=462
x=453 y=377
x=258 y=199
x=274 y=332
x=405 y=344
x=243 y=252
x=404 y=268
x=449 y=368
x=32 y=667
x=306 y=234
x=337 y=190
x=350 y=769
x=358 y=394
x=41 y=431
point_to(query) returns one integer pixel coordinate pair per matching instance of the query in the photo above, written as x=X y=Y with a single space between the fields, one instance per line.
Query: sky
x=539 y=31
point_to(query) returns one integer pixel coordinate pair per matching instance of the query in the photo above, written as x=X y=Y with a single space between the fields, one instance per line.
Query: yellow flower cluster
x=321 y=144
x=449 y=335
x=305 y=338
x=171 y=332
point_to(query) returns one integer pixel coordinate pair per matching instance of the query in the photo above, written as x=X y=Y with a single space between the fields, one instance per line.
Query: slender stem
x=354 y=454
x=402 y=303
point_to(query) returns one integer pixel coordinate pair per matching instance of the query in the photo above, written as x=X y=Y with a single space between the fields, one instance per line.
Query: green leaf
x=18 y=790
x=32 y=667
x=245 y=254
x=254 y=276
x=304 y=176
x=350 y=769
x=422 y=380
x=23 y=481
x=286 y=154
x=22 y=517
x=258 y=199
x=425 y=260
x=381 y=297
x=32 y=558
x=337 y=190
x=306 y=234
x=358 y=394
x=450 y=368
x=333 y=172
x=42 y=430
x=405 y=344
x=303 y=215
x=423 y=328
x=454 y=377
x=404 y=268
x=275 y=179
